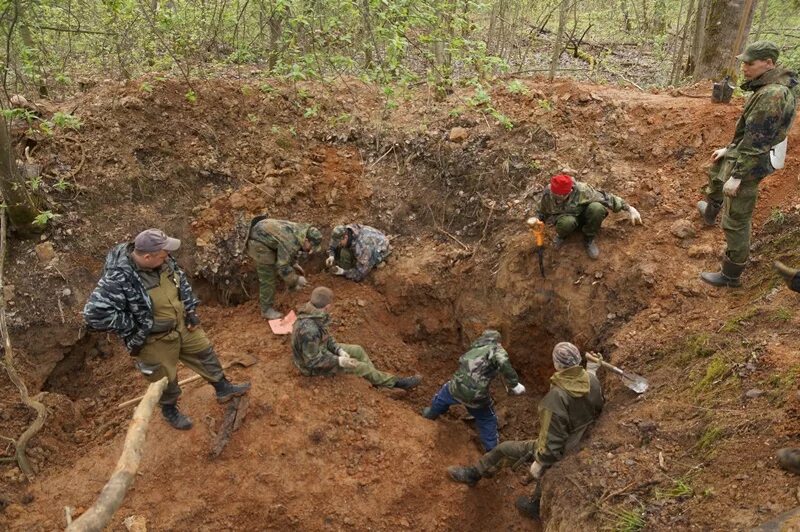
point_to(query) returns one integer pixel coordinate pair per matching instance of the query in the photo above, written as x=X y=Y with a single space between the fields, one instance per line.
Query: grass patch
x=709 y=438
x=782 y=314
x=733 y=324
x=679 y=489
x=628 y=520
x=699 y=345
x=716 y=370
x=781 y=384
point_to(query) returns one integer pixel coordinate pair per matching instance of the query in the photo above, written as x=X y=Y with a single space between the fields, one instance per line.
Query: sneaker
x=407 y=383
x=227 y=390
x=175 y=418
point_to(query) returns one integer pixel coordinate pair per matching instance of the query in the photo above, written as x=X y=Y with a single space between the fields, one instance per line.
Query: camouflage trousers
x=588 y=221
x=365 y=367
x=160 y=355
x=510 y=454
x=737 y=212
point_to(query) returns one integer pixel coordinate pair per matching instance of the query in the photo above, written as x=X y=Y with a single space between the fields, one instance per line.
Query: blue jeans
x=485 y=418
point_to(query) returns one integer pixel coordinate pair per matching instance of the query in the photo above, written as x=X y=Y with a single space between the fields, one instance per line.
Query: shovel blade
x=635 y=382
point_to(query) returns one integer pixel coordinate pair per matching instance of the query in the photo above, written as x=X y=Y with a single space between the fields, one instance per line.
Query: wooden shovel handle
x=615 y=369
x=180 y=383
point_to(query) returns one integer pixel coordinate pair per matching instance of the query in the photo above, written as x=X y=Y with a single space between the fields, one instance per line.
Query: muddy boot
x=558 y=242
x=528 y=507
x=426 y=413
x=271 y=314
x=709 y=211
x=591 y=248
x=789 y=459
x=729 y=274
x=407 y=383
x=227 y=391
x=465 y=475
x=175 y=418
x=789 y=275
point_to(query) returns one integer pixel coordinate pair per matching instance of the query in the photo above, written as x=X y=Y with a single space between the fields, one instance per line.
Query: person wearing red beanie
x=570 y=205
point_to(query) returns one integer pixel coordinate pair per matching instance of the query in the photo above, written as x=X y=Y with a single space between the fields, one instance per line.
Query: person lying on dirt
x=355 y=250
x=145 y=298
x=275 y=246
x=789 y=457
x=574 y=401
x=315 y=352
x=570 y=205
x=758 y=148
x=470 y=385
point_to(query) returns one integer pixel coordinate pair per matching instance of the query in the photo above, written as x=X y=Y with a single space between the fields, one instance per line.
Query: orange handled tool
x=537 y=226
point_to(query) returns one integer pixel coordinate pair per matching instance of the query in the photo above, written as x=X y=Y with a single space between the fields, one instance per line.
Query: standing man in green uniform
x=574 y=401
x=145 y=298
x=758 y=149
x=570 y=205
x=275 y=246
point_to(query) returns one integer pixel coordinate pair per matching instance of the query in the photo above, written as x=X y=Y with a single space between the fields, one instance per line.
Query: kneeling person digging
x=145 y=298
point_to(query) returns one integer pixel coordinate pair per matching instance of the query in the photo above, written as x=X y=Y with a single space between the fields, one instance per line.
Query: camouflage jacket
x=765 y=122
x=120 y=302
x=369 y=247
x=314 y=350
x=581 y=196
x=286 y=239
x=476 y=369
x=574 y=401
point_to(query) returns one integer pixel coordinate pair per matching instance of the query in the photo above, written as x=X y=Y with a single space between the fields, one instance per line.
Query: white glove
x=636 y=218
x=719 y=154
x=329 y=261
x=731 y=187
x=519 y=389
x=347 y=362
x=533 y=220
x=592 y=367
x=301 y=283
x=342 y=353
x=337 y=271
x=536 y=470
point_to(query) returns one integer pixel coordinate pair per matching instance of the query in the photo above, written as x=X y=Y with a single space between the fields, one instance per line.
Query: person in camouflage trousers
x=144 y=297
x=470 y=385
x=355 y=250
x=758 y=149
x=315 y=352
x=275 y=246
x=574 y=401
x=570 y=205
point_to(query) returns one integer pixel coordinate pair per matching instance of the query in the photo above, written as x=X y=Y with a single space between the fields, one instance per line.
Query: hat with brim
x=759 y=50
x=152 y=240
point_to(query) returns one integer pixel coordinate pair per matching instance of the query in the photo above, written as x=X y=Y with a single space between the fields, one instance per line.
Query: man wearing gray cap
x=145 y=298
x=574 y=401
x=758 y=149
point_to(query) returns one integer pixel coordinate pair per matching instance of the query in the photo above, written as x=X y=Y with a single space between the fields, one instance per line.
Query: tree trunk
x=697 y=40
x=761 y=18
x=557 y=46
x=727 y=25
x=21 y=204
x=27 y=41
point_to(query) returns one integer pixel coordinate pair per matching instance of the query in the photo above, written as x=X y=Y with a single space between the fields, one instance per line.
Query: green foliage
x=311 y=112
x=709 y=438
x=716 y=369
x=502 y=119
x=24 y=114
x=43 y=218
x=698 y=345
x=628 y=520
x=545 y=104
x=191 y=96
x=517 y=87
x=35 y=182
x=146 y=87
x=66 y=121
x=782 y=314
x=776 y=217
x=62 y=185
x=680 y=489
x=734 y=323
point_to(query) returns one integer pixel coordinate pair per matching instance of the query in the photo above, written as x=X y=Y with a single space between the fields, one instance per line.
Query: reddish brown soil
x=334 y=453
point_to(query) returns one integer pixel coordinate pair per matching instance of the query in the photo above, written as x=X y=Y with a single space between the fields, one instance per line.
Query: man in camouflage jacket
x=275 y=245
x=759 y=144
x=144 y=297
x=574 y=401
x=315 y=352
x=355 y=250
x=470 y=385
x=570 y=205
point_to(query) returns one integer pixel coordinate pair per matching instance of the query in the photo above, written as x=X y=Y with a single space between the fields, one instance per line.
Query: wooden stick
x=97 y=517
x=187 y=380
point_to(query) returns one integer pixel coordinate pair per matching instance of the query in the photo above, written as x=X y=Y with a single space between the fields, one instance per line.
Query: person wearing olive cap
x=574 y=402
x=758 y=148
x=275 y=246
x=355 y=250
x=570 y=205
x=144 y=297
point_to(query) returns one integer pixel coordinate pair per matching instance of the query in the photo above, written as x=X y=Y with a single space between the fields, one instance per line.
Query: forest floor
x=453 y=188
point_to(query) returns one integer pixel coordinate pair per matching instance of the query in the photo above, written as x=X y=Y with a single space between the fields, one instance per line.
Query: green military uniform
x=765 y=122
x=315 y=352
x=274 y=246
x=584 y=208
x=169 y=340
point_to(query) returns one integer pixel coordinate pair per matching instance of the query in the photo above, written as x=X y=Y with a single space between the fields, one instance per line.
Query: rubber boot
x=528 y=507
x=728 y=276
x=591 y=248
x=790 y=275
x=789 y=459
x=407 y=383
x=465 y=475
x=227 y=391
x=427 y=414
x=175 y=418
x=558 y=242
x=271 y=314
x=709 y=211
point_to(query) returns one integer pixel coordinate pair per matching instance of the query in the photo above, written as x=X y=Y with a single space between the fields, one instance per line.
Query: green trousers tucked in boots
x=267 y=279
x=588 y=221
x=506 y=454
x=365 y=368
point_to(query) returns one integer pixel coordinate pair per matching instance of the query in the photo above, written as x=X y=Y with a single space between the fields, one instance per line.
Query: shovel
x=242 y=360
x=633 y=381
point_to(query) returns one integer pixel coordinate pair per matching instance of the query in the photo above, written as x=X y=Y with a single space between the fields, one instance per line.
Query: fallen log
x=97 y=517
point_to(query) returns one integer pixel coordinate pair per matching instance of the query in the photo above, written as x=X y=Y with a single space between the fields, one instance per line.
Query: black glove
x=135 y=350
x=192 y=319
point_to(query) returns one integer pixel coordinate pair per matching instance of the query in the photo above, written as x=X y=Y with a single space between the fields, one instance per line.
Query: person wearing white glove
x=315 y=352
x=574 y=402
x=355 y=250
x=718 y=154
x=755 y=151
x=329 y=261
x=634 y=215
x=337 y=271
x=519 y=389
